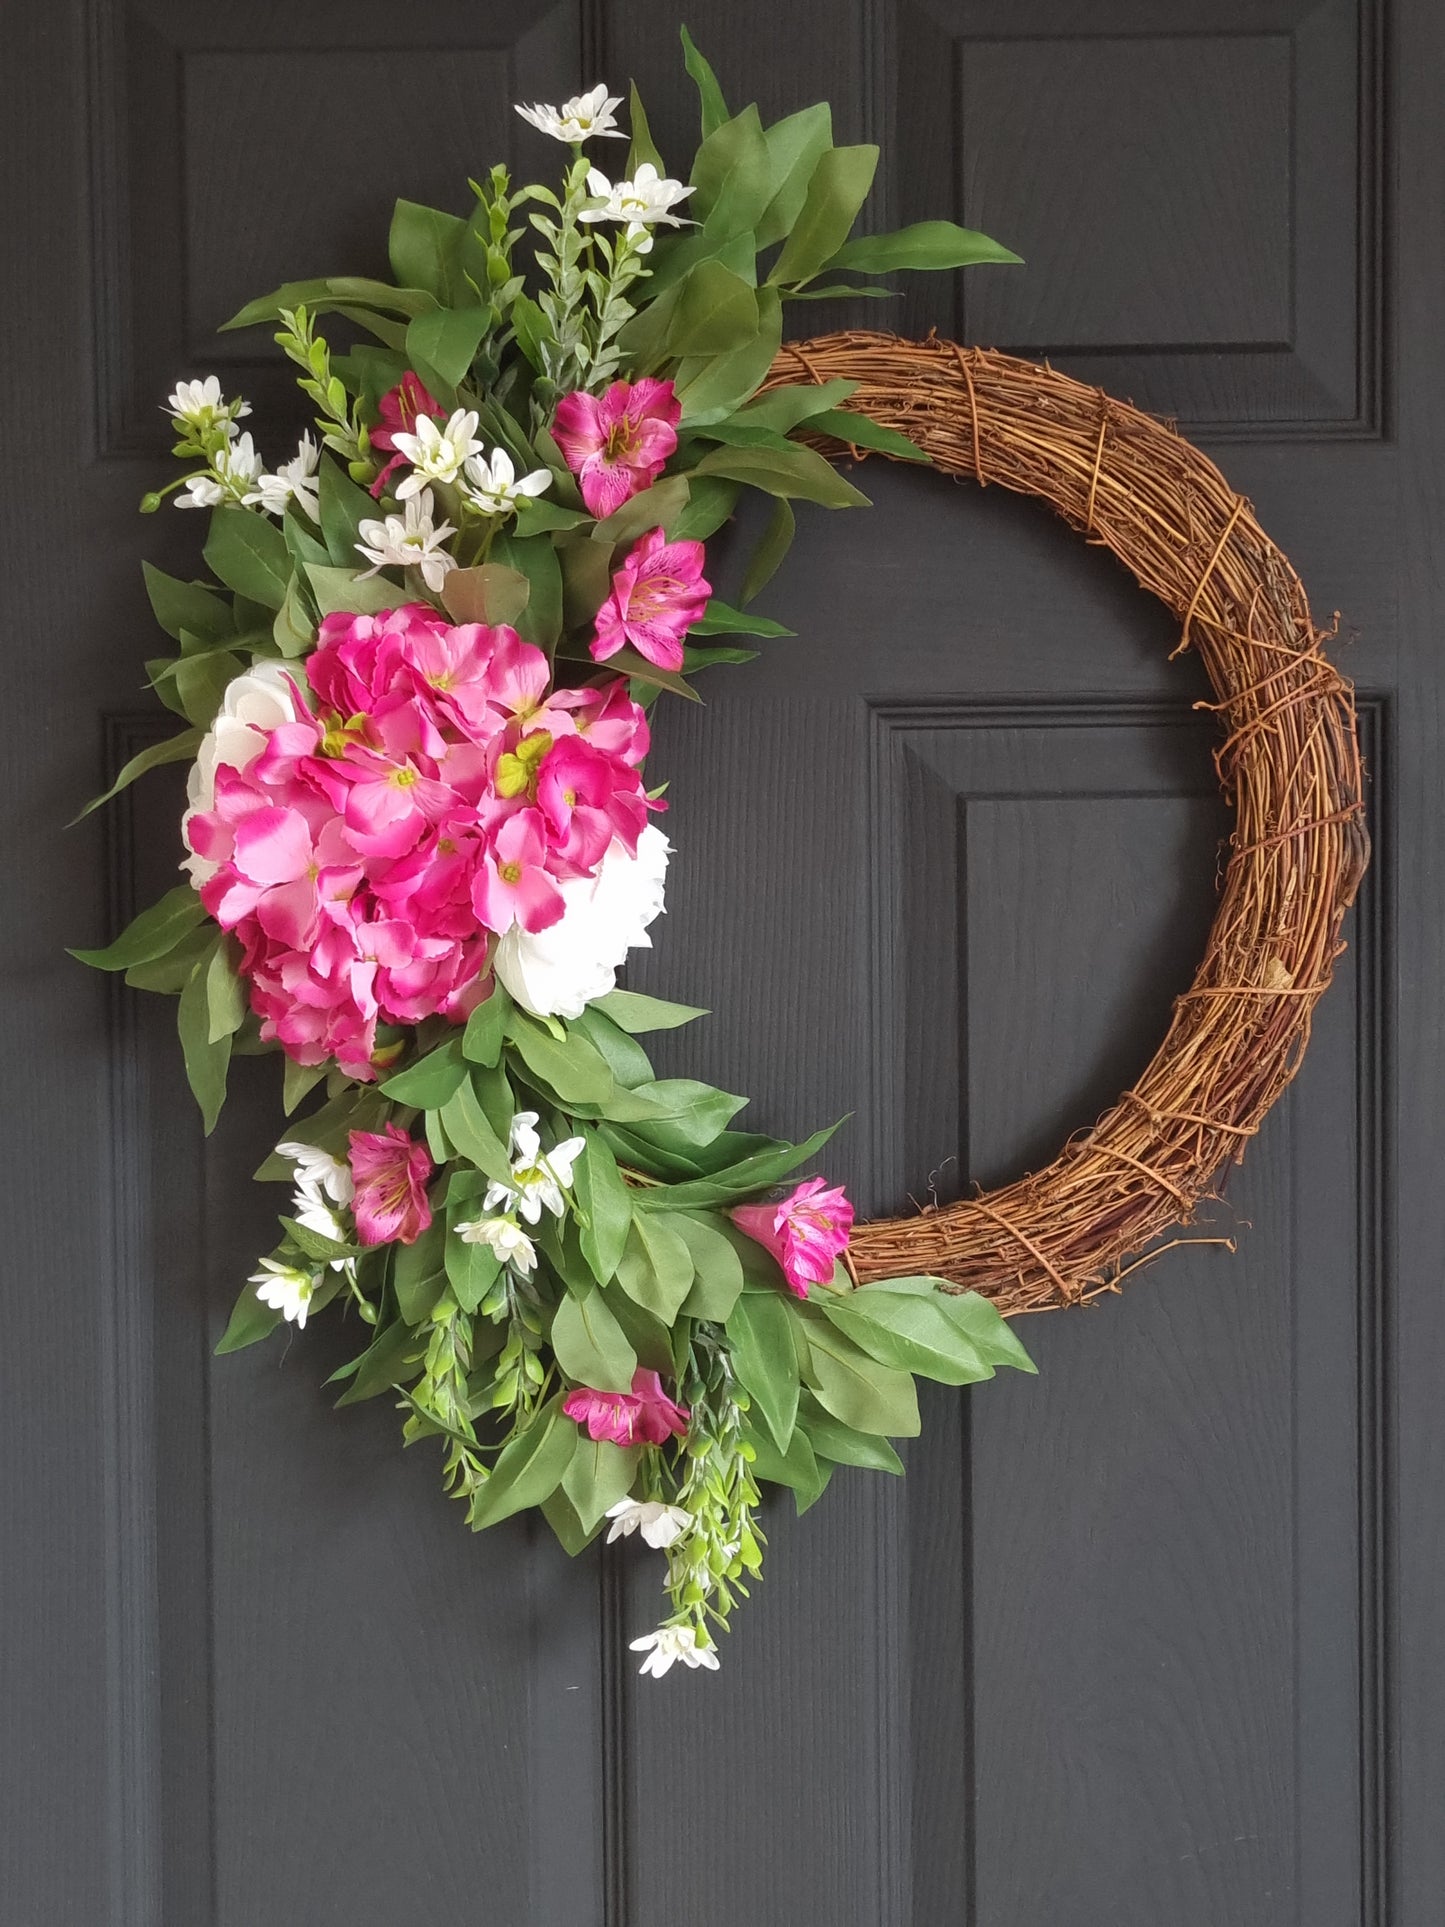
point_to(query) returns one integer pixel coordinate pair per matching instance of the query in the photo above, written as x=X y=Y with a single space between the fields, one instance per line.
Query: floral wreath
x=419 y=842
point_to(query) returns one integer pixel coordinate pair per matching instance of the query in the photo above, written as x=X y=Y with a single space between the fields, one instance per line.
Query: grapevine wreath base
x=1289 y=763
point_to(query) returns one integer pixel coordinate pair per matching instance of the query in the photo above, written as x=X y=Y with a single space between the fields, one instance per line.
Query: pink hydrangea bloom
x=390 y=1171
x=438 y=794
x=643 y=1416
x=806 y=1233
x=618 y=443
x=398 y=409
x=657 y=595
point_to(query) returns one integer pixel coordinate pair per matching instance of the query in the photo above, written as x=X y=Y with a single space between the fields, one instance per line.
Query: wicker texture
x=1289 y=763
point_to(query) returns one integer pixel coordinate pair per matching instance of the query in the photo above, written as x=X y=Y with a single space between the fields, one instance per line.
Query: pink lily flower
x=398 y=409
x=657 y=595
x=806 y=1233
x=617 y=444
x=645 y=1415
x=512 y=884
x=390 y=1170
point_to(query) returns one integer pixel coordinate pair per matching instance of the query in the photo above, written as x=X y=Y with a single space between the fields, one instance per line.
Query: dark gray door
x=1153 y=1640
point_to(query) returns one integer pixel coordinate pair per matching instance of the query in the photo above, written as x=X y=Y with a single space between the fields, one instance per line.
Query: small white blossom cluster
x=540 y=1180
x=323 y=1188
x=206 y=426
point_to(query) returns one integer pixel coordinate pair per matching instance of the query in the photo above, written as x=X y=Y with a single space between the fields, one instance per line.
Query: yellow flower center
x=517 y=770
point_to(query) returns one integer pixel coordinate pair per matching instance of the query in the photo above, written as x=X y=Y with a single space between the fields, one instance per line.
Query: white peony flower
x=578 y=119
x=659 y=1524
x=285 y=1289
x=234 y=473
x=670 y=1643
x=539 y=1178
x=644 y=202
x=557 y=972
x=492 y=487
x=508 y=1240
x=408 y=541
x=199 y=405
x=436 y=454
x=294 y=479
x=260 y=699
x=318 y=1168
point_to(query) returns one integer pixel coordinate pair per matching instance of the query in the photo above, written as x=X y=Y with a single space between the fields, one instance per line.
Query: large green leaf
x=926 y=1332
x=711 y=387
x=392 y=1358
x=656 y=1267
x=719 y=1273
x=927 y=244
x=574 y=1071
x=744 y=1179
x=351 y=592
x=423 y=246
x=207 y=1060
x=446 y=341
x=591 y=1346
x=471 y=1269
x=419 y=1272
x=430 y=1081
x=154 y=933
x=794 y=147
x=225 y=991
x=760 y=1340
x=187 y=606
x=600 y=1474
x=344 y=507
x=715 y=312
x=247 y=552
x=482 y=1038
x=732 y=176
x=534 y=557
x=856 y=1388
x=831 y=1439
x=604 y=1204
x=470 y=1130
x=349 y=292
x=637 y=1014
x=797 y=1468
x=250 y=1322
x=175 y=749
x=528 y=1468
x=710 y=95
x=795 y=472
x=722 y=620
x=837 y=189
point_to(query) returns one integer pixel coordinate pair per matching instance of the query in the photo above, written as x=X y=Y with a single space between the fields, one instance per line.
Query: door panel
x=1152 y=1638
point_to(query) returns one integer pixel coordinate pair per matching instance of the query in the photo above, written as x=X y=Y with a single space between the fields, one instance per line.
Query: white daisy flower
x=644 y=202
x=659 y=1524
x=234 y=474
x=294 y=479
x=201 y=406
x=436 y=454
x=539 y=1178
x=319 y=1170
x=409 y=541
x=578 y=119
x=285 y=1289
x=493 y=487
x=507 y=1239
x=671 y=1643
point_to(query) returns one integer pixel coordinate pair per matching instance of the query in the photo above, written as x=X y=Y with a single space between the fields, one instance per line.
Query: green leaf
x=344 y=507
x=710 y=503
x=348 y=591
x=738 y=1181
x=760 y=1341
x=530 y=326
x=392 y=1358
x=955 y=1339
x=419 y=1272
x=575 y=1072
x=627 y=662
x=296 y=1081
x=422 y=248
x=491 y=593
x=798 y=473
x=154 y=933
x=250 y=1322
x=863 y=432
x=675 y=1113
x=315 y=1244
x=187 y=605
x=225 y=992
x=795 y=146
x=560 y=1513
x=732 y=179
x=470 y=1130
x=927 y=244
x=430 y=1081
x=721 y=620
x=773 y=545
x=656 y=1267
x=471 y=1269
x=331 y=291
x=538 y=513
x=175 y=749
x=447 y=340
x=638 y=1015
x=482 y=1038
x=798 y=1467
x=710 y=96
x=206 y=1062
x=864 y=1394
x=624 y=1056
x=530 y=1467
x=591 y=1346
x=719 y=1273
x=710 y=388
x=540 y=622
x=605 y=1207
x=831 y=1439
x=247 y=552
x=293 y=630
x=784 y=408
x=652 y=508
x=716 y=311
x=600 y=1474
x=643 y=147
x=837 y=189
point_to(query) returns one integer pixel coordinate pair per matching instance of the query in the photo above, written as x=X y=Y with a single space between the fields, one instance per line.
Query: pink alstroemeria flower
x=657 y=595
x=645 y=1415
x=618 y=443
x=806 y=1233
x=390 y=1170
x=398 y=409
